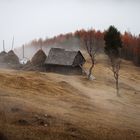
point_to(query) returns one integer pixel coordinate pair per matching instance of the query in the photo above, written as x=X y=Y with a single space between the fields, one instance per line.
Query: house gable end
x=79 y=59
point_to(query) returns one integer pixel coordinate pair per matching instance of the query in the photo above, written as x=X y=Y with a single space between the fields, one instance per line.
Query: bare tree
x=89 y=41
x=115 y=64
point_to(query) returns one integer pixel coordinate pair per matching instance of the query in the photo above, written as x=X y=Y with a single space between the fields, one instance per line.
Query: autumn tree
x=91 y=47
x=113 y=44
x=130 y=50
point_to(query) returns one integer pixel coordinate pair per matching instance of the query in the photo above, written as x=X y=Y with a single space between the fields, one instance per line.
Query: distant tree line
x=130 y=44
x=130 y=50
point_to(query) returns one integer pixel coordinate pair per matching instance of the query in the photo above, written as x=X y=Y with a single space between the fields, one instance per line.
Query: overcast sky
x=29 y=19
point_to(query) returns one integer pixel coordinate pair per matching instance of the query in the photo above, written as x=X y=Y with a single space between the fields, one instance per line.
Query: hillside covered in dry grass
x=49 y=106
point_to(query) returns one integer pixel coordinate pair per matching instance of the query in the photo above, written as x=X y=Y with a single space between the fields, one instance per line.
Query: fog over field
x=29 y=19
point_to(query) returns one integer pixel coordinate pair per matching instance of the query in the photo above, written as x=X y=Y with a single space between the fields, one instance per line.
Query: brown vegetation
x=38 y=106
x=11 y=58
x=131 y=43
x=39 y=58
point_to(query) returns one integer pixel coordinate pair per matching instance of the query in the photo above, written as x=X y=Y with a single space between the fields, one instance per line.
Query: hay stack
x=2 y=56
x=11 y=58
x=39 y=58
x=3 y=53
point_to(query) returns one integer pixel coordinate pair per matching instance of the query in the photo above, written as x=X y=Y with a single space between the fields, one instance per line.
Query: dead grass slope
x=40 y=106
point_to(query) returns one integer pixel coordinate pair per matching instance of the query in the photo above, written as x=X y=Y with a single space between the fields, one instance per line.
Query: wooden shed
x=66 y=62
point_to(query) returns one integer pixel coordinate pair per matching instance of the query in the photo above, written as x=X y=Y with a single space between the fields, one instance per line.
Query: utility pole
x=23 y=51
x=12 y=43
x=41 y=46
x=3 y=46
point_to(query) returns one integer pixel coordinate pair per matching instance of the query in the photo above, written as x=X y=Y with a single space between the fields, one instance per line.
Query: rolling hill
x=50 y=106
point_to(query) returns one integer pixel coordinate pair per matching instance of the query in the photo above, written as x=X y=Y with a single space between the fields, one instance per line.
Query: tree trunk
x=117 y=87
x=90 y=71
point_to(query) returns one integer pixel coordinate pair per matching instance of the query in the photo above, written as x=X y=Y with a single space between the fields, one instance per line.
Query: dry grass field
x=49 y=106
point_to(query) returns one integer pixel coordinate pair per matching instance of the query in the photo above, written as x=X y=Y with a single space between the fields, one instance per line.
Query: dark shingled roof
x=58 y=56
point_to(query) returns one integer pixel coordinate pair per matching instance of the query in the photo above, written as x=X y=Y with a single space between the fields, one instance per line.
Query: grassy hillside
x=49 y=106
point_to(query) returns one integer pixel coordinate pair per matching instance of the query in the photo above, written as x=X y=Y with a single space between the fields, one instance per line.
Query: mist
x=29 y=19
x=71 y=44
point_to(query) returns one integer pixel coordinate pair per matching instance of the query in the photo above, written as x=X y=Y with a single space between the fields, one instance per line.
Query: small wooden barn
x=66 y=62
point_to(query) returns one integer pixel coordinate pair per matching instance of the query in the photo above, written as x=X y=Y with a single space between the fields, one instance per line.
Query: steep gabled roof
x=59 y=56
x=39 y=57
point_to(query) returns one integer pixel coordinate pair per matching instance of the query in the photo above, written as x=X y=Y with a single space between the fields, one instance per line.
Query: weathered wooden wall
x=64 y=69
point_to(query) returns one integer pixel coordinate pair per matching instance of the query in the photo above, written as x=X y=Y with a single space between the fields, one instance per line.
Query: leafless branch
x=90 y=44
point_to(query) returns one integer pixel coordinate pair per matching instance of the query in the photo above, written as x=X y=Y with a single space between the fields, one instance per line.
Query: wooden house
x=66 y=62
